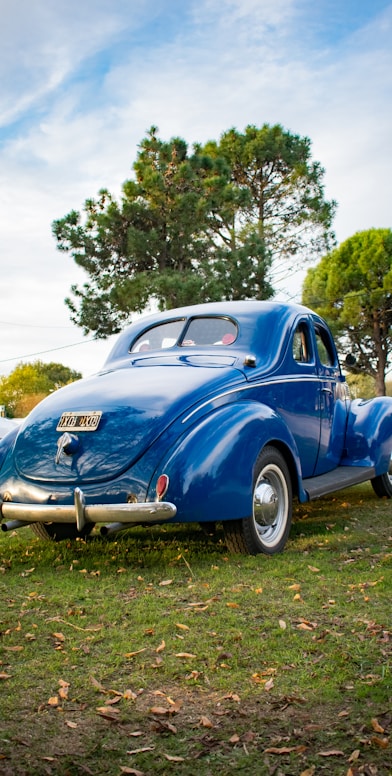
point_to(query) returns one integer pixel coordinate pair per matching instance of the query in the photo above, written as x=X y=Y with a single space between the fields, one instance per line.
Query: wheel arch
x=211 y=468
x=287 y=453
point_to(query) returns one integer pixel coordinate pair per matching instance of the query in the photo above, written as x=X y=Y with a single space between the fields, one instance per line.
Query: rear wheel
x=57 y=532
x=267 y=530
x=382 y=485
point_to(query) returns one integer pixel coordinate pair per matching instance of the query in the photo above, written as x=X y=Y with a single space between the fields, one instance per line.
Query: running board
x=337 y=479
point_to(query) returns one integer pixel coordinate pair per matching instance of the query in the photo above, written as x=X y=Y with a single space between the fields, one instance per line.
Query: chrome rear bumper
x=81 y=513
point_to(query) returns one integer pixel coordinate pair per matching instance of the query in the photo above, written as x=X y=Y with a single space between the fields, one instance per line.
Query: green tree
x=352 y=288
x=151 y=245
x=29 y=383
x=198 y=226
x=278 y=201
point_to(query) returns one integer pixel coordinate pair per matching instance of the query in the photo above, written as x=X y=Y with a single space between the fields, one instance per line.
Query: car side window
x=324 y=348
x=302 y=351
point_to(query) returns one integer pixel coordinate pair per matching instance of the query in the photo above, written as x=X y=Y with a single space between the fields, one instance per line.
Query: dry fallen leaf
x=165 y=582
x=285 y=749
x=331 y=753
x=376 y=726
x=141 y=750
x=137 y=652
x=113 y=701
x=161 y=646
x=71 y=724
x=181 y=626
x=108 y=713
x=129 y=695
x=185 y=655
x=13 y=649
x=58 y=636
x=97 y=685
x=160 y=710
x=205 y=722
x=131 y=771
x=383 y=743
x=174 y=759
x=194 y=675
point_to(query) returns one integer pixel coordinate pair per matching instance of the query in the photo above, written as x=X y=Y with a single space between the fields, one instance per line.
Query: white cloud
x=222 y=64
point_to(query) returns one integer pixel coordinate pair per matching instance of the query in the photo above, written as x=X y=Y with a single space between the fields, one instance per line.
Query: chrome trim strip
x=249 y=386
x=144 y=512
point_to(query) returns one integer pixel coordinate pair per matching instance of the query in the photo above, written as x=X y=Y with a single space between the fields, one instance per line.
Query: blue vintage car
x=215 y=412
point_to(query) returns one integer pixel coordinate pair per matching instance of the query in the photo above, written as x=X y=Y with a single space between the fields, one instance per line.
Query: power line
x=32 y=325
x=51 y=350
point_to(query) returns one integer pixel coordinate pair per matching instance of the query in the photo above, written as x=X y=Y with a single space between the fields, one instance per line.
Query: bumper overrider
x=17 y=514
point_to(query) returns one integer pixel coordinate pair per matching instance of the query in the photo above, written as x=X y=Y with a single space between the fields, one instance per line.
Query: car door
x=297 y=393
x=333 y=401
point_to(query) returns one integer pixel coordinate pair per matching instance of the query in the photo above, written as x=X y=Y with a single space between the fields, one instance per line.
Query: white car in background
x=6 y=425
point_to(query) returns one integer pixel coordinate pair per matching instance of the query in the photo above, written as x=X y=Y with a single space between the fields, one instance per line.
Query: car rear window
x=202 y=331
x=209 y=331
x=165 y=335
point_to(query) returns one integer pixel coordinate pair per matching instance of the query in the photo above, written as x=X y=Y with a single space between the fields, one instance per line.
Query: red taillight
x=162 y=486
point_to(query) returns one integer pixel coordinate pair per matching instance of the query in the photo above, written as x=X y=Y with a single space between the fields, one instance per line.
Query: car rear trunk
x=137 y=404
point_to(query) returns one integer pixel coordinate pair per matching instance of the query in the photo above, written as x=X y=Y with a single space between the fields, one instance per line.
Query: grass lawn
x=156 y=652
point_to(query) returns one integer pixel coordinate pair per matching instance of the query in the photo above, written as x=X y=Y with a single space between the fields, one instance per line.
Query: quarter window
x=301 y=344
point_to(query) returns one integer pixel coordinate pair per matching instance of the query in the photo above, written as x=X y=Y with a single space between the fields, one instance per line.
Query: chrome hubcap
x=270 y=504
x=265 y=503
x=390 y=471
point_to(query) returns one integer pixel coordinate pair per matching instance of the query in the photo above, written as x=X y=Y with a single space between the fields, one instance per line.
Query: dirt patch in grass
x=161 y=731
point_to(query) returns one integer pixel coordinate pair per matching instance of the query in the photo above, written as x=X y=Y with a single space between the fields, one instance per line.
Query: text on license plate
x=79 y=421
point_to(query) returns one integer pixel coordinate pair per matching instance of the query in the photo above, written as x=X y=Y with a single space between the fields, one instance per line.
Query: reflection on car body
x=6 y=425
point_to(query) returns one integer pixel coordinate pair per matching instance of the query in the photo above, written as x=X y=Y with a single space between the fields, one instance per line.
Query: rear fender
x=7 y=443
x=211 y=469
x=369 y=433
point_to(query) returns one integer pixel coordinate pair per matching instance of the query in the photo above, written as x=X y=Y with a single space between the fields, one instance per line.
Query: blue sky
x=82 y=81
